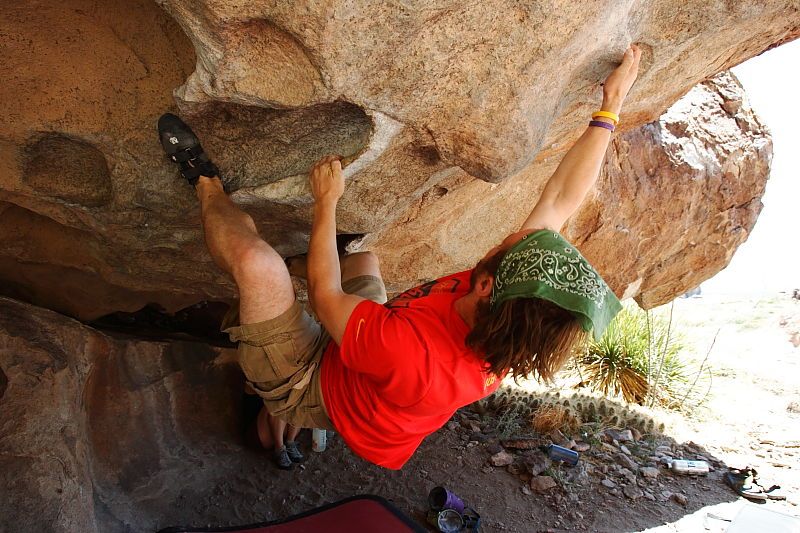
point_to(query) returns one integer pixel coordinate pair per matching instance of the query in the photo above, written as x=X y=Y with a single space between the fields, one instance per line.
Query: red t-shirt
x=402 y=371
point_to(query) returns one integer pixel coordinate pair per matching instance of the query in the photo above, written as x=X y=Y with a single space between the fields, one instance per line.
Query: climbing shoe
x=282 y=459
x=183 y=147
x=294 y=452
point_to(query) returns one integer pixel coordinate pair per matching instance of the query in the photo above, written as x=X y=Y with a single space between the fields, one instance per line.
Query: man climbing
x=386 y=375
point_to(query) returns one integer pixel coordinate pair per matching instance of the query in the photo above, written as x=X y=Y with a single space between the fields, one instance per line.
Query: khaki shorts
x=282 y=357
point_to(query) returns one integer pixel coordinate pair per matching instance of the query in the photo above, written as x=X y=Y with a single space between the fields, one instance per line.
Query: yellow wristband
x=606 y=114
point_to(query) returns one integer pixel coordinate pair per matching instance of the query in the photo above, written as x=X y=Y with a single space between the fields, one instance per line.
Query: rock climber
x=383 y=374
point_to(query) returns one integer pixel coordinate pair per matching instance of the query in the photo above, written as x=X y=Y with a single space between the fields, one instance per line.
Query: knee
x=360 y=264
x=368 y=260
x=256 y=261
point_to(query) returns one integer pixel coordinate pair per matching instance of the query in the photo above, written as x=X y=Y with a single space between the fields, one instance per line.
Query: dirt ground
x=750 y=418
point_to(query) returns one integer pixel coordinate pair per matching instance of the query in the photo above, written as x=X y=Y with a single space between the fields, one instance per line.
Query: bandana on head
x=545 y=265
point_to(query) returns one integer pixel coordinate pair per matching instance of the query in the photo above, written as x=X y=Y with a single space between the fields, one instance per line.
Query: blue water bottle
x=559 y=453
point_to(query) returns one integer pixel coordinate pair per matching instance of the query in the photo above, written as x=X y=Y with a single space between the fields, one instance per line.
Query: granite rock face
x=685 y=192
x=451 y=116
x=674 y=200
x=95 y=430
x=492 y=82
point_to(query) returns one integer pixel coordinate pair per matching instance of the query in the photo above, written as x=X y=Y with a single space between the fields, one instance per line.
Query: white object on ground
x=684 y=466
x=755 y=518
x=319 y=439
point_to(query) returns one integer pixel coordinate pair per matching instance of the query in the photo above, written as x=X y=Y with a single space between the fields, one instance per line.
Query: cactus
x=512 y=403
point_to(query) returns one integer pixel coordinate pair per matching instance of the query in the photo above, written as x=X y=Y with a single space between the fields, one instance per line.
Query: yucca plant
x=637 y=359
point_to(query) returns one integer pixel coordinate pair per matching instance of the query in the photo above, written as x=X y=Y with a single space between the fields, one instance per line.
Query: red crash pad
x=366 y=513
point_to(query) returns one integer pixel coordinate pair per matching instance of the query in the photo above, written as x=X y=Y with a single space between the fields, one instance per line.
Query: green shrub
x=637 y=359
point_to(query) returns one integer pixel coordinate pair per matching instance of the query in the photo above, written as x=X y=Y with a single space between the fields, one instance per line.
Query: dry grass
x=554 y=416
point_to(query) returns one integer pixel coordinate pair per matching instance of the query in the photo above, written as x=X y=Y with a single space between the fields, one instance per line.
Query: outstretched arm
x=332 y=305
x=580 y=167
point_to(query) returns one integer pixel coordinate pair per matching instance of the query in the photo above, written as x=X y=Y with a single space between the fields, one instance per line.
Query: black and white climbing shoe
x=183 y=147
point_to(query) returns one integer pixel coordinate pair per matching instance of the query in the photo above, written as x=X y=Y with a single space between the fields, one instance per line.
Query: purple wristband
x=601 y=124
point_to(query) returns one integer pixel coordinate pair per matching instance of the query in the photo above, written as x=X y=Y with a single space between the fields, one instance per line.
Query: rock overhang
x=427 y=103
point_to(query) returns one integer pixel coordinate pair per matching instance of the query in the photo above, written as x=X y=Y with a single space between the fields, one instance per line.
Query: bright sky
x=769 y=261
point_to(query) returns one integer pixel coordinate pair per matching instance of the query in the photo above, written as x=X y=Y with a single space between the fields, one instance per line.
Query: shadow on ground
x=148 y=435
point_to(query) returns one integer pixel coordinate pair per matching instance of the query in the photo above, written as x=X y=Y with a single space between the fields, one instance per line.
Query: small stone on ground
x=502 y=458
x=633 y=492
x=679 y=498
x=624 y=435
x=649 y=472
x=581 y=447
x=542 y=484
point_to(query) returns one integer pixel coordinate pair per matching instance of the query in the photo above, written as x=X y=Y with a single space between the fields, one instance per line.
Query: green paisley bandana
x=545 y=265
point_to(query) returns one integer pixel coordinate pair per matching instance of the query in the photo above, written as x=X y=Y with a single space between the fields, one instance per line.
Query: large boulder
x=674 y=200
x=96 y=430
x=679 y=195
x=451 y=116
x=492 y=83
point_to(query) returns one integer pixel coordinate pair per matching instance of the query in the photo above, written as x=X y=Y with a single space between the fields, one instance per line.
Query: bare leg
x=353 y=265
x=281 y=454
x=264 y=430
x=278 y=427
x=292 y=449
x=360 y=264
x=292 y=432
x=265 y=288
